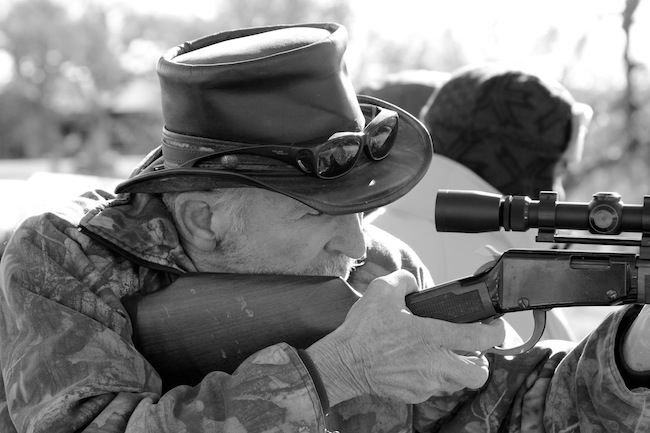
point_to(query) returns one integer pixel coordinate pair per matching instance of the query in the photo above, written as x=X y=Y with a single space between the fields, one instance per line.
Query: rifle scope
x=474 y=212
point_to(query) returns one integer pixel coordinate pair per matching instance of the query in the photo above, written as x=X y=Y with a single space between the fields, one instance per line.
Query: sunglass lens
x=379 y=140
x=337 y=157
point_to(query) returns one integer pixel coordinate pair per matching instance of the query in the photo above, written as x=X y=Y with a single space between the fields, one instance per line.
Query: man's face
x=279 y=235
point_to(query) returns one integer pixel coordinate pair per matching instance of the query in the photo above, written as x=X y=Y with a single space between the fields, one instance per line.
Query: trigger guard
x=540 y=324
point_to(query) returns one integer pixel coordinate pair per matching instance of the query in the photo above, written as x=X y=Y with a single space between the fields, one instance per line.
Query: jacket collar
x=140 y=228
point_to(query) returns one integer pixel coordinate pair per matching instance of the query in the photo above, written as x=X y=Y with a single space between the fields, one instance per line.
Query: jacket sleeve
x=590 y=392
x=553 y=387
x=68 y=362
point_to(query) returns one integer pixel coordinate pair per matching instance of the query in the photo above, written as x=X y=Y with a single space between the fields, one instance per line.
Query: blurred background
x=79 y=92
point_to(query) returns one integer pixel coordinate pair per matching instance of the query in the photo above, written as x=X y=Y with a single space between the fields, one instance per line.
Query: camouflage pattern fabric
x=68 y=362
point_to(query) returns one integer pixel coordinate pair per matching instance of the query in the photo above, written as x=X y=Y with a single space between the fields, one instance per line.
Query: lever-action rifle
x=205 y=322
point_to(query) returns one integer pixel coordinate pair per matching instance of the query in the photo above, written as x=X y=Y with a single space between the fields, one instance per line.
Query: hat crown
x=269 y=85
x=252 y=47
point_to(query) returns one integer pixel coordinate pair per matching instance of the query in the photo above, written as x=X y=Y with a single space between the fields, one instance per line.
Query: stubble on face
x=240 y=251
x=242 y=258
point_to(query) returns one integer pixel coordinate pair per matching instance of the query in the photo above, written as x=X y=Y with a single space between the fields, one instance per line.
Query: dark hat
x=509 y=126
x=276 y=85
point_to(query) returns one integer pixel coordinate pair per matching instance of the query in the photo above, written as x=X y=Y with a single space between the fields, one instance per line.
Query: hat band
x=179 y=149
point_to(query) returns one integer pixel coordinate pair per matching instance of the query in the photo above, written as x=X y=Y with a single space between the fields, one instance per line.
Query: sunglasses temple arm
x=274 y=152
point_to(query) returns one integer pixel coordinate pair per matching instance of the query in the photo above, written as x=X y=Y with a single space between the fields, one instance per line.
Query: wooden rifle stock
x=205 y=322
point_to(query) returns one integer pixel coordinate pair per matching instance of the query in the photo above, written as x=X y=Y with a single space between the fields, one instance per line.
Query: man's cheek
x=293 y=255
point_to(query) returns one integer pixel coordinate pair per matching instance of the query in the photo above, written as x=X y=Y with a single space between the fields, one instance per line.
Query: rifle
x=204 y=322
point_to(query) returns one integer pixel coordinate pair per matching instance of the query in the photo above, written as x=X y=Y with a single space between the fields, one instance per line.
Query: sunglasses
x=333 y=158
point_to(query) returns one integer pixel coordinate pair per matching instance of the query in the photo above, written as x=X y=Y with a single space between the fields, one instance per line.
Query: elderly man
x=268 y=161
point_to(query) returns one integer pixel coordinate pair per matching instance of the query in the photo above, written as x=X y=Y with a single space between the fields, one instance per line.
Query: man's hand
x=636 y=345
x=383 y=349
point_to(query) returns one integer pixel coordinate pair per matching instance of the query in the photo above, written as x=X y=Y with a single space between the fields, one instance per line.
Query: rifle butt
x=206 y=322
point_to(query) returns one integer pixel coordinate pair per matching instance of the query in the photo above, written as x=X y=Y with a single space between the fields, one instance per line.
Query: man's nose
x=348 y=238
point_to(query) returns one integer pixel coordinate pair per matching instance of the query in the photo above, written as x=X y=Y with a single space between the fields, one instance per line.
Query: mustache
x=337 y=266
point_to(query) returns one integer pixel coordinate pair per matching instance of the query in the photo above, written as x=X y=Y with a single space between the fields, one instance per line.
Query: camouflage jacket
x=68 y=362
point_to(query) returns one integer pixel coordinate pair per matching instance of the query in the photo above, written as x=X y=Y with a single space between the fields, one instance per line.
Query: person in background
x=496 y=129
x=268 y=161
x=409 y=89
x=514 y=128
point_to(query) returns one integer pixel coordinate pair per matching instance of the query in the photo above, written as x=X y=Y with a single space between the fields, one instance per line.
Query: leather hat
x=274 y=85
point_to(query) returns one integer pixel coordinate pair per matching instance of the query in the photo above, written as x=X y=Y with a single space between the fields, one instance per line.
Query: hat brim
x=369 y=185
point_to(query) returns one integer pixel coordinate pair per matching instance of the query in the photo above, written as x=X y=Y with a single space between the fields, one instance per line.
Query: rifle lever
x=540 y=324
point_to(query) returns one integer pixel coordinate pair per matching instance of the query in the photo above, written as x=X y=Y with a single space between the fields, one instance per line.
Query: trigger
x=540 y=325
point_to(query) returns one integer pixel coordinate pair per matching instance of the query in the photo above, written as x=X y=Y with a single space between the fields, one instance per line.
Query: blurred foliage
x=83 y=81
x=617 y=155
x=78 y=88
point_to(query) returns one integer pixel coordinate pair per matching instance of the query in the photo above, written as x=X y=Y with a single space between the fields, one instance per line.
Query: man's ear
x=194 y=220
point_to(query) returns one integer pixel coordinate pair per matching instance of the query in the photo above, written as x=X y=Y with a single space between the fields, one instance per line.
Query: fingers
x=463 y=337
x=443 y=373
x=468 y=371
x=449 y=374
